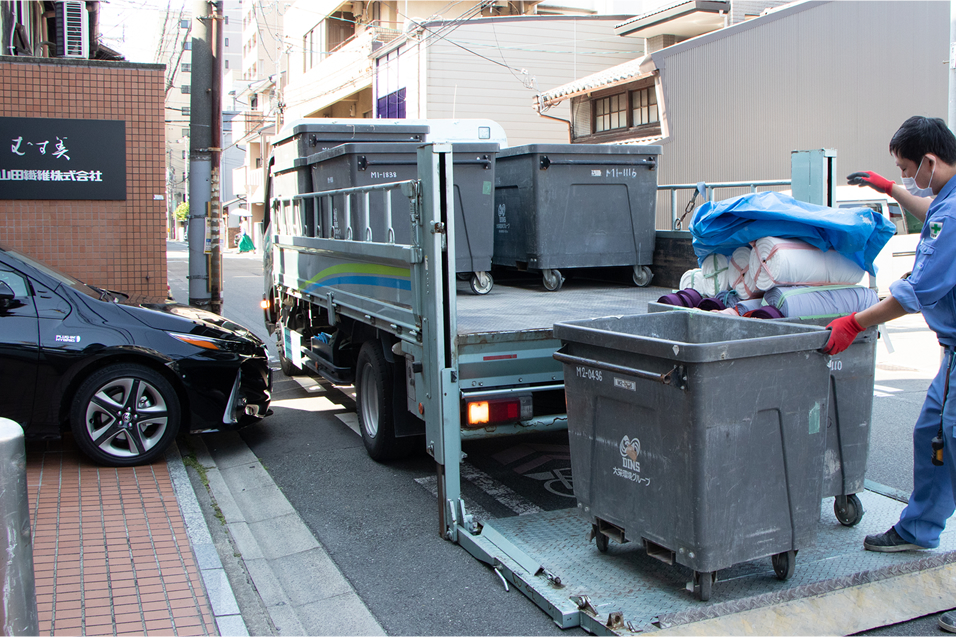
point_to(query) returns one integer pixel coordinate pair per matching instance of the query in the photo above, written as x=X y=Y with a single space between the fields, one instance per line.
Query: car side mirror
x=6 y=294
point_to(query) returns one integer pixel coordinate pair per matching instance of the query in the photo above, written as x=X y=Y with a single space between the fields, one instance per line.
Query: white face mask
x=910 y=183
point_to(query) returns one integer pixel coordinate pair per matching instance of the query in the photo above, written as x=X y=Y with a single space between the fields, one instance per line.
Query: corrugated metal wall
x=840 y=75
x=553 y=51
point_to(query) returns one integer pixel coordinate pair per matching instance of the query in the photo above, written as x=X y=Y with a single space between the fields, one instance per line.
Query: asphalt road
x=378 y=522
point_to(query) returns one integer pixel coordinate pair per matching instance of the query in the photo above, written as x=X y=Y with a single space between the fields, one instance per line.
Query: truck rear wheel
x=376 y=403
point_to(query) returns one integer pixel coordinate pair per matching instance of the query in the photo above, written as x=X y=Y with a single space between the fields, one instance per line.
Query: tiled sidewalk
x=110 y=551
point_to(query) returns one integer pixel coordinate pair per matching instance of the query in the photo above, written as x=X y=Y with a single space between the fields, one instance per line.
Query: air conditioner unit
x=72 y=29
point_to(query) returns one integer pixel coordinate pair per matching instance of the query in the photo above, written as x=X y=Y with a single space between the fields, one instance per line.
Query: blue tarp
x=857 y=233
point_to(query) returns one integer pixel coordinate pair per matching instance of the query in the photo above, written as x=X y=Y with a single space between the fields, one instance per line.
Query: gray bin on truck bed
x=576 y=206
x=700 y=435
x=298 y=141
x=352 y=165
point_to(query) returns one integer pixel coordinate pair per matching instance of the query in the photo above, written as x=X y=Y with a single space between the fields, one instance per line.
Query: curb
x=225 y=609
x=300 y=587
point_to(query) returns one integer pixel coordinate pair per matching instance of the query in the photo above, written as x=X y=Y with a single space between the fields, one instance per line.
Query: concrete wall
x=113 y=244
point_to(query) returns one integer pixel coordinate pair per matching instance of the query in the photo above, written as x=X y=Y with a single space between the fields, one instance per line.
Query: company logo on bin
x=630 y=448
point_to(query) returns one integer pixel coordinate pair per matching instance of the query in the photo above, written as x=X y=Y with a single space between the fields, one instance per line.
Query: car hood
x=176 y=317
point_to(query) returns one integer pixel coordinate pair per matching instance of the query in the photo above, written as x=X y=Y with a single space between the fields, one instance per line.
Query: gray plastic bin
x=850 y=412
x=294 y=144
x=352 y=165
x=700 y=435
x=576 y=206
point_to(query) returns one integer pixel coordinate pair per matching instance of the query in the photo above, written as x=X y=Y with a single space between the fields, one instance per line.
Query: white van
x=896 y=259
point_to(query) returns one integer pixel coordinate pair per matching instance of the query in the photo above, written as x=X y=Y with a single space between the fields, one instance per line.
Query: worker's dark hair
x=920 y=135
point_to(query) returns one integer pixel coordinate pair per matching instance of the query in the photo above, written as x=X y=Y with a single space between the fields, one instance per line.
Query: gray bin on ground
x=575 y=206
x=720 y=465
x=353 y=165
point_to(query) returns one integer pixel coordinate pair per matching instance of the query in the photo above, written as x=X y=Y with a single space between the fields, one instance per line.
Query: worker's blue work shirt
x=931 y=288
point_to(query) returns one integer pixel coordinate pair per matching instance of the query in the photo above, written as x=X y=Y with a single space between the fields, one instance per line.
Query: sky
x=132 y=26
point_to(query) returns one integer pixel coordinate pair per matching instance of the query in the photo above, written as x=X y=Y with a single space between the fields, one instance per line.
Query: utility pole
x=204 y=134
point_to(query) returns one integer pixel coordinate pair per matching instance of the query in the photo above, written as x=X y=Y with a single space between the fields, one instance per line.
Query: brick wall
x=116 y=244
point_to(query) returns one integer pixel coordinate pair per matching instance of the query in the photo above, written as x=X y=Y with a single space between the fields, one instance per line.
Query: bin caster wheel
x=848 y=509
x=783 y=564
x=642 y=276
x=552 y=280
x=703 y=584
x=600 y=539
x=481 y=283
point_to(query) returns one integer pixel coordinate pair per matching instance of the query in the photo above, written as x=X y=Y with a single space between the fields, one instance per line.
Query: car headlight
x=204 y=342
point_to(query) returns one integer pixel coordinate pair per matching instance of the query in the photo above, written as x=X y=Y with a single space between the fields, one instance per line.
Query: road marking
x=309 y=384
x=497 y=490
x=479 y=514
x=892 y=390
x=351 y=421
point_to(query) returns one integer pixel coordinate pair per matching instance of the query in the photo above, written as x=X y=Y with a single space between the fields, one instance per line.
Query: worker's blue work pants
x=931 y=502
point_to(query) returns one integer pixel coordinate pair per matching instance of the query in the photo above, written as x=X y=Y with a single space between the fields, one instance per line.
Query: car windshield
x=65 y=279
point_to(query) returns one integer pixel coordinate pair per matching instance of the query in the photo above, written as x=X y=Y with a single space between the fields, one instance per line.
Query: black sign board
x=45 y=158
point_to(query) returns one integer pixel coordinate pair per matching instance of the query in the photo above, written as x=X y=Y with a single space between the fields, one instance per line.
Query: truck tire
x=376 y=404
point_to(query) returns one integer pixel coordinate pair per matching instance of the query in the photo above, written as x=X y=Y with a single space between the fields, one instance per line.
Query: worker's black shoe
x=889 y=542
x=947 y=621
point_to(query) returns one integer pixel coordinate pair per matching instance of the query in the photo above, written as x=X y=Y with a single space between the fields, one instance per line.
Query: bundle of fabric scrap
x=767 y=255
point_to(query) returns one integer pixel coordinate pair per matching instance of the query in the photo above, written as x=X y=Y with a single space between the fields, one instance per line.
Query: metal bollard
x=18 y=608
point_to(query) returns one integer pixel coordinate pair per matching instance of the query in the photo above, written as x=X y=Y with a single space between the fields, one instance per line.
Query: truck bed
x=523 y=305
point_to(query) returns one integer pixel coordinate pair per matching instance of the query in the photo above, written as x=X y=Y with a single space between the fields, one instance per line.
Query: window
x=188 y=45
x=392 y=106
x=187 y=67
x=225 y=19
x=185 y=132
x=644 y=107
x=254 y=101
x=185 y=110
x=258 y=162
x=310 y=48
x=184 y=24
x=184 y=154
x=185 y=89
x=610 y=113
x=225 y=41
x=339 y=28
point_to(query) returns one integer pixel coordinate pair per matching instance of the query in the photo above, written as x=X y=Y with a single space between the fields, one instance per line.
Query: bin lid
x=379 y=148
x=693 y=337
x=360 y=130
x=579 y=149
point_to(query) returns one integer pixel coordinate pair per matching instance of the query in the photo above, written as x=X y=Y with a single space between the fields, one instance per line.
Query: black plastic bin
x=353 y=165
x=576 y=206
x=700 y=435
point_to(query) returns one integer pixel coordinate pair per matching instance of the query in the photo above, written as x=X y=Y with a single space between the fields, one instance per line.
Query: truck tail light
x=497 y=411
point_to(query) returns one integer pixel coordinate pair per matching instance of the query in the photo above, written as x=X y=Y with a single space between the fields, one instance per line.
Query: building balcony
x=347 y=69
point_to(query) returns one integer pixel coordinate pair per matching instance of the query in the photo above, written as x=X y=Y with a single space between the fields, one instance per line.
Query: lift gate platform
x=837 y=586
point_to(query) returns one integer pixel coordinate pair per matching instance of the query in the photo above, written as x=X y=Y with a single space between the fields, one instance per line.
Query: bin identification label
x=587 y=372
x=625 y=384
x=630 y=448
x=595 y=173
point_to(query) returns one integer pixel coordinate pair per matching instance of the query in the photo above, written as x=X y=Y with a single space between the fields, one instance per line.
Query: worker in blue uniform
x=925 y=152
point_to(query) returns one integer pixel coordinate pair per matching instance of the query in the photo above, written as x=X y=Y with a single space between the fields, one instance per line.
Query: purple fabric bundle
x=765 y=312
x=712 y=305
x=682 y=298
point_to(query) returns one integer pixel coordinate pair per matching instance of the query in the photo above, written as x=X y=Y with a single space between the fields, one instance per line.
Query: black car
x=124 y=378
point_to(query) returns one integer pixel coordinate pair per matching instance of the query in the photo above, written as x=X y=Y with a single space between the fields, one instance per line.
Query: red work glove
x=842 y=332
x=871 y=179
